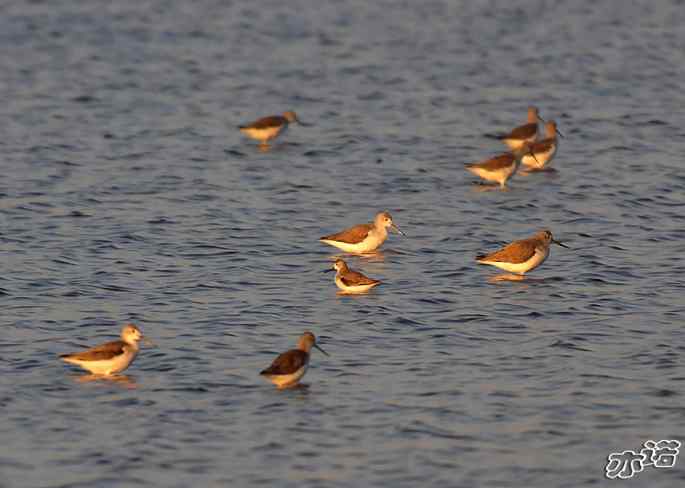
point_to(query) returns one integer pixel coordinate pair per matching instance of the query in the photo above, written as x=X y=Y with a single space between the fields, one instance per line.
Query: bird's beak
x=530 y=151
x=319 y=348
x=540 y=117
x=560 y=244
x=148 y=342
x=397 y=229
x=559 y=132
x=303 y=124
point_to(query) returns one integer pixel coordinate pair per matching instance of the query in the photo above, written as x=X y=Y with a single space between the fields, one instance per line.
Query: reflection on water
x=549 y=172
x=123 y=380
x=483 y=187
x=507 y=277
x=355 y=293
x=299 y=387
x=526 y=278
x=377 y=256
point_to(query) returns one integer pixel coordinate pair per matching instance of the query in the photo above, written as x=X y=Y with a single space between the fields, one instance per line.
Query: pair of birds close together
x=288 y=368
x=114 y=357
x=359 y=239
x=535 y=155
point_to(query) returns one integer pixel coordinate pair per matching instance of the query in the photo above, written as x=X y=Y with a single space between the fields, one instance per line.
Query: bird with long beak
x=363 y=238
x=522 y=256
x=268 y=128
x=543 y=151
x=111 y=357
x=289 y=367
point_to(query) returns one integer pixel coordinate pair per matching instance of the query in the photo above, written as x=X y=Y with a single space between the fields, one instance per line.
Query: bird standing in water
x=352 y=281
x=269 y=128
x=109 y=358
x=523 y=255
x=288 y=368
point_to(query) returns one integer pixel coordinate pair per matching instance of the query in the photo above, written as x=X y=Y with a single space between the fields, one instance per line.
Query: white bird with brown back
x=111 y=357
x=352 y=282
x=289 y=367
x=544 y=150
x=268 y=128
x=363 y=238
x=500 y=168
x=523 y=255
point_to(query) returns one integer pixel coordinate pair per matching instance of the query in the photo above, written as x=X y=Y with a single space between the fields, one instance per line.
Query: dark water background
x=127 y=194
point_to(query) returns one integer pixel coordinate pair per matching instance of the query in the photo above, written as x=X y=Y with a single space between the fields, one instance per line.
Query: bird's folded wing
x=542 y=146
x=287 y=363
x=498 y=162
x=516 y=252
x=266 y=122
x=522 y=132
x=353 y=235
x=354 y=279
x=99 y=353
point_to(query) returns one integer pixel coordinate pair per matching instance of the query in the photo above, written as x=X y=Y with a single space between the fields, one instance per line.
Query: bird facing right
x=109 y=358
x=289 y=367
x=363 y=238
x=268 y=128
x=522 y=256
x=544 y=150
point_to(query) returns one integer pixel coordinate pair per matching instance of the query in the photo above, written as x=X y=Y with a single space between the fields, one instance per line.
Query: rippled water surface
x=127 y=194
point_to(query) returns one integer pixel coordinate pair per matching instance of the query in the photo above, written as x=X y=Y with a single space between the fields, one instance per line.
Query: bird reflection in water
x=123 y=380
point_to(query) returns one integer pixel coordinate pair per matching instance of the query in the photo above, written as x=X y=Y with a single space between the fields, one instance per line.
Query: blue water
x=127 y=194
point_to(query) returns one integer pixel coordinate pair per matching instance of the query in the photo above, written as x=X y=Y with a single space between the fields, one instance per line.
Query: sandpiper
x=268 y=128
x=524 y=133
x=363 y=238
x=109 y=358
x=500 y=168
x=522 y=256
x=352 y=281
x=289 y=368
x=544 y=149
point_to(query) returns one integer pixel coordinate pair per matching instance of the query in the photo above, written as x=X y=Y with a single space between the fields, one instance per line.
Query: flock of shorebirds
x=289 y=367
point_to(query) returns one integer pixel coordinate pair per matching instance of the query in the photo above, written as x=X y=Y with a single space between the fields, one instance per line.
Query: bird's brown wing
x=525 y=131
x=498 y=162
x=99 y=353
x=353 y=235
x=543 y=145
x=266 y=122
x=353 y=278
x=287 y=363
x=516 y=252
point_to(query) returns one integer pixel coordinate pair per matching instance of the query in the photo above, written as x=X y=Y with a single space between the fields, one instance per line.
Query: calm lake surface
x=127 y=194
